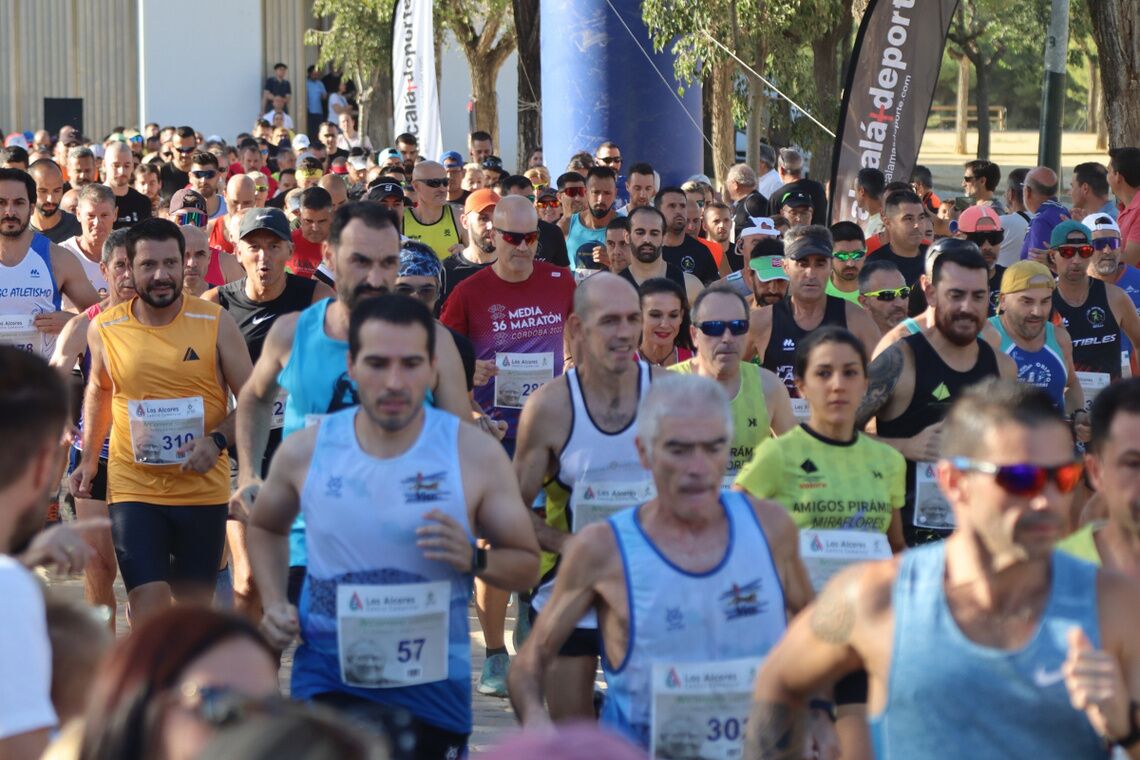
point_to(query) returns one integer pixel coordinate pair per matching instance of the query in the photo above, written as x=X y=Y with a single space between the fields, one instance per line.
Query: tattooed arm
x=819 y=647
x=882 y=377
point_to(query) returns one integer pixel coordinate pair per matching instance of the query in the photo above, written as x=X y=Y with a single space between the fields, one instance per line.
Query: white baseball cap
x=1099 y=222
x=761 y=225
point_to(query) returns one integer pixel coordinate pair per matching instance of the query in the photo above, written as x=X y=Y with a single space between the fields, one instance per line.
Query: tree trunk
x=483 y=91
x=707 y=111
x=1092 y=101
x=1116 y=29
x=962 y=111
x=982 y=101
x=723 y=128
x=530 y=79
x=829 y=49
x=758 y=104
x=1101 y=122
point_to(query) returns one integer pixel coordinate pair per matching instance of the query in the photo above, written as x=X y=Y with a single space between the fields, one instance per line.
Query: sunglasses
x=1106 y=244
x=195 y=218
x=185 y=150
x=261 y=188
x=968 y=178
x=889 y=294
x=608 y=160
x=849 y=255
x=548 y=204
x=518 y=238
x=1024 y=479
x=204 y=173
x=423 y=292
x=993 y=237
x=575 y=192
x=1069 y=250
x=437 y=183
x=715 y=327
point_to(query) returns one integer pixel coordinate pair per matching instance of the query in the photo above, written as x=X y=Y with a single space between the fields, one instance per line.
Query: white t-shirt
x=1015 y=226
x=90 y=268
x=336 y=99
x=769 y=183
x=25 y=654
x=288 y=123
x=360 y=141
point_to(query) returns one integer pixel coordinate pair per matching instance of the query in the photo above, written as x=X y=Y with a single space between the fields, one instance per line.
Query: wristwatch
x=1133 y=738
x=478 y=559
x=220 y=441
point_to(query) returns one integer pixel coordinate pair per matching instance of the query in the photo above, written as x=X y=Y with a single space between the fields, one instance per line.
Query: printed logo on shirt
x=808 y=466
x=35 y=273
x=789 y=344
x=876 y=475
x=753 y=422
x=333 y=486
x=743 y=601
x=941 y=393
x=688 y=263
x=190 y=355
x=1095 y=316
x=421 y=488
x=674 y=619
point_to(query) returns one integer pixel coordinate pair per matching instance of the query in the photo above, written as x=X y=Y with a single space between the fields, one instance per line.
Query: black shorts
x=295 y=583
x=410 y=737
x=851 y=689
x=175 y=545
x=582 y=642
x=99 y=484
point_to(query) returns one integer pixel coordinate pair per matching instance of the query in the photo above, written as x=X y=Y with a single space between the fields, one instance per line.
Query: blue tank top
x=1129 y=282
x=578 y=236
x=361 y=514
x=732 y=611
x=912 y=326
x=949 y=697
x=1044 y=368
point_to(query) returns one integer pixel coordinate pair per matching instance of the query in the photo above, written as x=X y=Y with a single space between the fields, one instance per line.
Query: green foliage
x=359 y=39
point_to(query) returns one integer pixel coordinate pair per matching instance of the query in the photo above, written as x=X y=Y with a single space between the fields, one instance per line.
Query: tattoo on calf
x=882 y=377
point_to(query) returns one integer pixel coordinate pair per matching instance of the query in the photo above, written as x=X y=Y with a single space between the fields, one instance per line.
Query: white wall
x=455 y=91
x=213 y=86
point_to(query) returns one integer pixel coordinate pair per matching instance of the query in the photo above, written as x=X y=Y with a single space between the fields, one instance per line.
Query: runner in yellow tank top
x=432 y=221
x=162 y=366
x=760 y=402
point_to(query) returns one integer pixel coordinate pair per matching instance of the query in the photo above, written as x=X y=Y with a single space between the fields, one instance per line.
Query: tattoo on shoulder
x=775 y=732
x=833 y=617
x=883 y=376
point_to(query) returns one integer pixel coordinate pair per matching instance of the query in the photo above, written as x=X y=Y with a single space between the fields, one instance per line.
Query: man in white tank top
x=96 y=212
x=697 y=582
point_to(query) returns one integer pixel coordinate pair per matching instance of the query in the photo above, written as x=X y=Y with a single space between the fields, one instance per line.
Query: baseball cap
x=300 y=142
x=971 y=220
x=494 y=162
x=767 y=154
x=360 y=163
x=480 y=200
x=795 y=199
x=1062 y=231
x=272 y=219
x=1025 y=275
x=768 y=268
x=187 y=198
x=341 y=167
x=418 y=260
x=1100 y=223
x=69 y=136
x=17 y=140
x=547 y=192
x=703 y=178
x=810 y=244
x=209 y=139
x=382 y=190
x=388 y=154
x=451 y=159
x=761 y=225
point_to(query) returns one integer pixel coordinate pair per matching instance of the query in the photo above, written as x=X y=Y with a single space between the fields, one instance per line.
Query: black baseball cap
x=382 y=190
x=272 y=219
x=494 y=163
x=794 y=199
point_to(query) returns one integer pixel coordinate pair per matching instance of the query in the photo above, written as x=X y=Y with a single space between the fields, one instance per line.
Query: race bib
x=1092 y=383
x=519 y=376
x=159 y=427
x=826 y=552
x=19 y=330
x=801 y=409
x=595 y=501
x=393 y=636
x=699 y=709
x=931 y=510
x=278 y=420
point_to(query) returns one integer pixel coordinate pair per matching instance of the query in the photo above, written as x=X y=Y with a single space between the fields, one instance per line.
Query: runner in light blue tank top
x=578 y=236
x=1044 y=367
x=1016 y=704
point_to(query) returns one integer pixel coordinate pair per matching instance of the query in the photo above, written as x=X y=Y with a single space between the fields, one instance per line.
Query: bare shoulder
x=778 y=526
x=592 y=552
x=890 y=338
x=769 y=380
x=760 y=319
x=1064 y=340
x=553 y=398
x=1006 y=365
x=211 y=295
x=479 y=451
x=857 y=596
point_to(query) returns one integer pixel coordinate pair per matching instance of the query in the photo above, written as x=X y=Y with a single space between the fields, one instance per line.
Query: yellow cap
x=1026 y=275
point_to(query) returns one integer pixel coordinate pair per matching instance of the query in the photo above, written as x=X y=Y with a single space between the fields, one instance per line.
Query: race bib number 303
x=699 y=709
x=160 y=427
x=393 y=636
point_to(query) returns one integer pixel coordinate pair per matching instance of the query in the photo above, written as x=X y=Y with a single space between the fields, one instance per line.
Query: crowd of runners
x=860 y=490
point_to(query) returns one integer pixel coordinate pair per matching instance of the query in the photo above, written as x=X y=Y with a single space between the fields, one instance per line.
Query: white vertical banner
x=413 y=76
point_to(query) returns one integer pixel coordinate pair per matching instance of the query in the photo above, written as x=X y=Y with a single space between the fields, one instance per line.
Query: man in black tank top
x=776 y=330
x=913 y=382
x=1094 y=312
x=255 y=302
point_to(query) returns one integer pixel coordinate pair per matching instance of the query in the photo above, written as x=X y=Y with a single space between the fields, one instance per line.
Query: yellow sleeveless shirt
x=439 y=236
x=167 y=390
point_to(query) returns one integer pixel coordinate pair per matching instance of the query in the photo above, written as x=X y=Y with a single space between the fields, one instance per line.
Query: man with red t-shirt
x=309 y=238
x=513 y=312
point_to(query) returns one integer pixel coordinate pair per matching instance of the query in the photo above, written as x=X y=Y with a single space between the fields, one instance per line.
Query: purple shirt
x=1049 y=215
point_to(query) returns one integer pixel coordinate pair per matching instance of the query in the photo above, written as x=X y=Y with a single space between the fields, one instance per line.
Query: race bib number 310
x=392 y=636
x=160 y=427
x=699 y=709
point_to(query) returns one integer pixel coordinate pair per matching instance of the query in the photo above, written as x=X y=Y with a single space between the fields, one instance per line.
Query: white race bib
x=1092 y=383
x=159 y=427
x=19 y=330
x=931 y=510
x=826 y=552
x=520 y=375
x=699 y=709
x=278 y=420
x=393 y=636
x=594 y=501
x=801 y=409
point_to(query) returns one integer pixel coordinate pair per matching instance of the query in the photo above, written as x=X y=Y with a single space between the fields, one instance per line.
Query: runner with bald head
x=118 y=170
x=1040 y=195
x=337 y=189
x=241 y=194
x=205 y=267
x=432 y=220
x=576 y=438
x=48 y=218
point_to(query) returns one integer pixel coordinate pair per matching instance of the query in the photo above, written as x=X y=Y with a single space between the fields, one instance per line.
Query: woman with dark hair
x=665 y=323
x=161 y=693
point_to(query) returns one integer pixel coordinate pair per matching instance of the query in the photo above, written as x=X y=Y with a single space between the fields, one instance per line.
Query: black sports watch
x=220 y=441
x=1133 y=738
x=478 y=559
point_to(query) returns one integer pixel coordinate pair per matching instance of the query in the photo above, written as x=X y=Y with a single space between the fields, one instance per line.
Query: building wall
x=68 y=49
x=284 y=23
